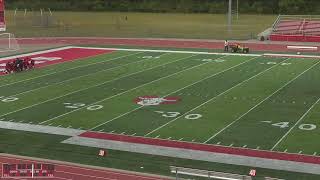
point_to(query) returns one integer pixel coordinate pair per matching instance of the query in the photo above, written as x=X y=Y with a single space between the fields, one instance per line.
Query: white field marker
x=112 y=131
x=300 y=152
x=133 y=134
x=258 y=147
x=231 y=145
x=218 y=142
x=244 y=146
x=101 y=130
x=157 y=136
x=59 y=125
x=169 y=138
x=180 y=139
x=285 y=150
x=315 y=153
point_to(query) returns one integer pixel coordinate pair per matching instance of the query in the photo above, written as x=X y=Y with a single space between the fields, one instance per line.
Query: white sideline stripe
x=105 y=82
x=168 y=51
x=206 y=102
x=260 y=102
x=203 y=175
x=40 y=128
x=301 y=118
x=78 y=77
x=291 y=55
x=153 y=67
x=172 y=92
x=303 y=47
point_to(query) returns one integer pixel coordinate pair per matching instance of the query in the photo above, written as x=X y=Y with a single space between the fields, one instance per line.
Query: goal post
x=8 y=42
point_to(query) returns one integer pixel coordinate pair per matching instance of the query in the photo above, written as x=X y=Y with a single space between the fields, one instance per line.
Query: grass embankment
x=113 y=24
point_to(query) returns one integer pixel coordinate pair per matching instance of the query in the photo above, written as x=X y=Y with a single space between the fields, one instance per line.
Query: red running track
x=69 y=171
x=175 y=43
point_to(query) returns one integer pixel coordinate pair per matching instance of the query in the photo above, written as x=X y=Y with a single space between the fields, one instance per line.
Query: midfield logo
x=155 y=100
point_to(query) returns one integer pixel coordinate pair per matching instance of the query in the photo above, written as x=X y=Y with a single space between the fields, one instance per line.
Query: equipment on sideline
x=237 y=48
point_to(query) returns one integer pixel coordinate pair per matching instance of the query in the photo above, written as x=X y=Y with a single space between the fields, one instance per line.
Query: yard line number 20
x=80 y=105
x=8 y=99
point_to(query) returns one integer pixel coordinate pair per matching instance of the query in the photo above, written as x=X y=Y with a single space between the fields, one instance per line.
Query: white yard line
x=129 y=89
x=78 y=77
x=170 y=51
x=121 y=115
x=41 y=52
x=223 y=129
x=301 y=118
x=128 y=75
x=206 y=102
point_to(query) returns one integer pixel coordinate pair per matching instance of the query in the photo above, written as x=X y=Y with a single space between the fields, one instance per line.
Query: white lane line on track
x=128 y=75
x=129 y=89
x=121 y=115
x=208 y=101
x=84 y=175
x=300 y=119
x=78 y=77
x=223 y=129
x=51 y=50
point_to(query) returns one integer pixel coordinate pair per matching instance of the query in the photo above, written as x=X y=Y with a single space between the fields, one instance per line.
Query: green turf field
x=241 y=101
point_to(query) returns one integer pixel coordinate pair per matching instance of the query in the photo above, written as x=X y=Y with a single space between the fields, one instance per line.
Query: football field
x=255 y=102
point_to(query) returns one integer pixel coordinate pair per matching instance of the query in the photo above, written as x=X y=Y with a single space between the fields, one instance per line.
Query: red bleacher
x=296 y=28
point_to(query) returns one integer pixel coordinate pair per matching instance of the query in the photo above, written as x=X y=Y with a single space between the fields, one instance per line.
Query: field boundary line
x=213 y=98
x=299 y=120
x=174 y=92
x=236 y=120
x=168 y=51
x=53 y=50
x=179 y=59
x=104 y=70
x=72 y=92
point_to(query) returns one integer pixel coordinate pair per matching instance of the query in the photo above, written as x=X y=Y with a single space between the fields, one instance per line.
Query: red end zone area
x=205 y=147
x=54 y=56
x=69 y=171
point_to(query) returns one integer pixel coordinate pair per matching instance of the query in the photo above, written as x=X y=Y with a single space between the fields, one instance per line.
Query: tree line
x=174 y=6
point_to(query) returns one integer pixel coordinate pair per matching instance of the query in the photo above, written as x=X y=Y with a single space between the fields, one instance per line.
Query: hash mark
x=244 y=146
x=258 y=147
x=300 y=152
x=180 y=139
x=101 y=130
x=50 y=124
x=59 y=125
x=315 y=153
x=169 y=138
x=285 y=150
x=157 y=136
x=133 y=134
x=218 y=142
x=111 y=131
x=193 y=140
x=231 y=145
x=123 y=132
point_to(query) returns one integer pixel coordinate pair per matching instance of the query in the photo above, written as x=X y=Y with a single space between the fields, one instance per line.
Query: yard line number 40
x=282 y=125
